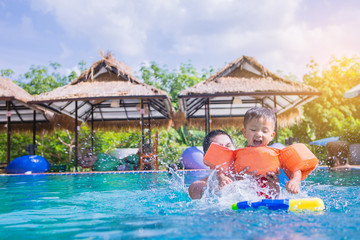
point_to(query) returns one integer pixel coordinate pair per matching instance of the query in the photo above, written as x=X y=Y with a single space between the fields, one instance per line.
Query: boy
x=259 y=124
x=222 y=138
x=219 y=137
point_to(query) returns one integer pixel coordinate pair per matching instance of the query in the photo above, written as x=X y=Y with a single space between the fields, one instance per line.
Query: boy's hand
x=240 y=175
x=273 y=180
x=293 y=185
x=246 y=171
x=223 y=179
x=273 y=176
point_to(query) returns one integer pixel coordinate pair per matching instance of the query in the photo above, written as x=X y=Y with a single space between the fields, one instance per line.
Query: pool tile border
x=133 y=172
x=102 y=172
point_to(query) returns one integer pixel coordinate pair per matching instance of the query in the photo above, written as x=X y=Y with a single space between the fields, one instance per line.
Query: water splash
x=246 y=189
x=177 y=180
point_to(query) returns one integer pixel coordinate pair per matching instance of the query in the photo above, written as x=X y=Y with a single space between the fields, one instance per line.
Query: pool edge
x=99 y=172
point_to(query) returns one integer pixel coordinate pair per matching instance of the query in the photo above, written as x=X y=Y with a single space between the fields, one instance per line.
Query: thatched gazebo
x=17 y=114
x=222 y=99
x=108 y=95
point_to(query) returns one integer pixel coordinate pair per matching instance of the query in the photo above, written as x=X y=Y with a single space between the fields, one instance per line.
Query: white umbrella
x=354 y=92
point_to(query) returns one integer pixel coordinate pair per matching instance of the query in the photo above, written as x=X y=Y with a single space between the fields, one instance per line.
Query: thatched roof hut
x=10 y=91
x=110 y=94
x=228 y=94
x=21 y=111
x=17 y=114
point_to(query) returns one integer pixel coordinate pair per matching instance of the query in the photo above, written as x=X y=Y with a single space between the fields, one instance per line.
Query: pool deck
x=153 y=171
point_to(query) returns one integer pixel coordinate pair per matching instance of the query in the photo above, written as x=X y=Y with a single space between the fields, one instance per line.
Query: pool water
x=157 y=206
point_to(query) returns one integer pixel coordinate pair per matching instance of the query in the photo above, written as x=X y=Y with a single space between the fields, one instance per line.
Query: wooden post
x=34 y=132
x=142 y=125
x=207 y=116
x=276 y=128
x=76 y=136
x=149 y=126
x=92 y=129
x=8 y=115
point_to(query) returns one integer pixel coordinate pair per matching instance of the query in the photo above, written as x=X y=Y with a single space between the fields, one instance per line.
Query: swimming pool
x=157 y=206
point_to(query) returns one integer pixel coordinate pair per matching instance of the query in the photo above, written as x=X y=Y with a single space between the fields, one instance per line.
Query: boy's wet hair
x=257 y=113
x=207 y=140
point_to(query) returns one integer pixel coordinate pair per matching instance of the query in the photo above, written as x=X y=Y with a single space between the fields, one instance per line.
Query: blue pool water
x=157 y=206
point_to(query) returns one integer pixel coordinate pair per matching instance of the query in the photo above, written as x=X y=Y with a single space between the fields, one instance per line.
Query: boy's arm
x=293 y=185
x=223 y=179
x=196 y=188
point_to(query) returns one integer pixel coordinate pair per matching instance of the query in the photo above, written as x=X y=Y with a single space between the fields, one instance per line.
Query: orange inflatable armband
x=298 y=157
x=262 y=159
x=220 y=156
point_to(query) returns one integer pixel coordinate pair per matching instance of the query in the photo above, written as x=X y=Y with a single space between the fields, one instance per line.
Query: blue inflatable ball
x=28 y=163
x=192 y=158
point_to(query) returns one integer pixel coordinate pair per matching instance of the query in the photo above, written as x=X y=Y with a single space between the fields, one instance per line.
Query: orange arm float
x=298 y=157
x=262 y=159
x=220 y=156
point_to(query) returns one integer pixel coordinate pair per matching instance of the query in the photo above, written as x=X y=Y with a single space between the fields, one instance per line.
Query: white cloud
x=105 y=23
x=276 y=33
x=126 y=25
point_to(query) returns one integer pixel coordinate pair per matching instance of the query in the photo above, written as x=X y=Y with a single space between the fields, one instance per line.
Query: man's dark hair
x=257 y=113
x=207 y=140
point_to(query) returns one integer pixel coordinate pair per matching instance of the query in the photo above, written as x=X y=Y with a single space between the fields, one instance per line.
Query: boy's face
x=223 y=140
x=259 y=132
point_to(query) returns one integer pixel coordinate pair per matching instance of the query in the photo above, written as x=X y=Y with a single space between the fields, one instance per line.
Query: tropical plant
x=173 y=81
x=6 y=73
x=190 y=137
x=331 y=114
x=39 y=79
x=17 y=147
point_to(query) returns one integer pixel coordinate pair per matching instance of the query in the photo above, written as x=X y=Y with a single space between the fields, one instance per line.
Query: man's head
x=219 y=137
x=259 y=124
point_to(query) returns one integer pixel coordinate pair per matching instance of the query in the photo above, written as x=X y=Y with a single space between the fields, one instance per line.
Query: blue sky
x=281 y=34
